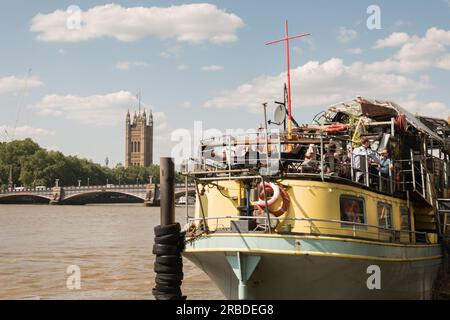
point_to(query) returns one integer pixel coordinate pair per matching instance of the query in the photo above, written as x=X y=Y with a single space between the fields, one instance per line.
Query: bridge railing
x=107 y=187
x=26 y=190
x=121 y=186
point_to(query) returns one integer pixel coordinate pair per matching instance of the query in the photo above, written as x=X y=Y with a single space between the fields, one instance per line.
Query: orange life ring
x=286 y=203
x=336 y=128
x=272 y=192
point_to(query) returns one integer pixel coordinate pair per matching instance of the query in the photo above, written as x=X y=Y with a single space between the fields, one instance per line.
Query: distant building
x=139 y=140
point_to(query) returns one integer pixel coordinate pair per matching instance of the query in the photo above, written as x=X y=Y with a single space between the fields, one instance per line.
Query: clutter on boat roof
x=368 y=112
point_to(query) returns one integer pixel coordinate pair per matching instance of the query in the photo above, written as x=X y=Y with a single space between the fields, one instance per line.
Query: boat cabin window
x=384 y=215
x=352 y=209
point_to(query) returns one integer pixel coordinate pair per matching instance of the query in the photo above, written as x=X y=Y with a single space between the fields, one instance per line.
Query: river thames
x=112 y=245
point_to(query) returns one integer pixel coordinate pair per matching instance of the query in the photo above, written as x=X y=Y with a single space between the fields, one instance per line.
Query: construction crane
x=19 y=105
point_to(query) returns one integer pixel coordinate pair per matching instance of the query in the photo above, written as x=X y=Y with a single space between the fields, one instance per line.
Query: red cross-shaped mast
x=288 y=66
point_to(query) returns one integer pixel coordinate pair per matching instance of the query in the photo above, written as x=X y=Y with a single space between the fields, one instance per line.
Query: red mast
x=288 y=66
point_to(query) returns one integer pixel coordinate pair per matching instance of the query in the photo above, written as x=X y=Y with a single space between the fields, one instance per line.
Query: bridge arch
x=24 y=198
x=98 y=196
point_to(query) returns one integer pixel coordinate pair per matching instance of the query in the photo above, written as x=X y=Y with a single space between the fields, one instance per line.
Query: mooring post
x=169 y=241
x=167 y=191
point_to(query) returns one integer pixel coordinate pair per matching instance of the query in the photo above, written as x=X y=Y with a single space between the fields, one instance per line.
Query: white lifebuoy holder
x=273 y=198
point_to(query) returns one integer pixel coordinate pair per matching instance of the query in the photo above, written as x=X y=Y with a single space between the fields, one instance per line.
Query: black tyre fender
x=171 y=284
x=178 y=264
x=169 y=260
x=165 y=249
x=169 y=229
x=169 y=277
x=166 y=290
x=160 y=268
x=173 y=238
x=168 y=297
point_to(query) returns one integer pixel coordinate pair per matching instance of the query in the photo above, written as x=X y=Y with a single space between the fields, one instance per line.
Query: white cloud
x=182 y=67
x=444 y=63
x=172 y=52
x=213 y=68
x=346 y=35
x=417 y=53
x=396 y=39
x=125 y=65
x=191 y=23
x=356 y=51
x=432 y=109
x=100 y=110
x=319 y=84
x=13 y=83
x=24 y=132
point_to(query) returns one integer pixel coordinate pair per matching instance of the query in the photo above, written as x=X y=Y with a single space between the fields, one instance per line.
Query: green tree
x=34 y=166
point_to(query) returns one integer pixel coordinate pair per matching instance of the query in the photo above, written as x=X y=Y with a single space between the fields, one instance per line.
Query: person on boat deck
x=330 y=159
x=342 y=165
x=385 y=163
x=359 y=162
x=386 y=167
x=310 y=164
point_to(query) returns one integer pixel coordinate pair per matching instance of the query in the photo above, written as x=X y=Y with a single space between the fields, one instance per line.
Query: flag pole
x=288 y=62
x=288 y=67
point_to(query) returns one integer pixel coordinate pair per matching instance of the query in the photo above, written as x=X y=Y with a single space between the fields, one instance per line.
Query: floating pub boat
x=312 y=214
x=353 y=206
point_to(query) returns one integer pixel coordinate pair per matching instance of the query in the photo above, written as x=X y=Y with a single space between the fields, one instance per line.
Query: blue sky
x=207 y=61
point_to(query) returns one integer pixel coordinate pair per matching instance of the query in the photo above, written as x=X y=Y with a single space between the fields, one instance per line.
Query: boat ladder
x=422 y=179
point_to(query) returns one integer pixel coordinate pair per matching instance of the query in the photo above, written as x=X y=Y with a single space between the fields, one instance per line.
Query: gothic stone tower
x=139 y=140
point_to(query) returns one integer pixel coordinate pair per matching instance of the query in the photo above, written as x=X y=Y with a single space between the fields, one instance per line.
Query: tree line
x=34 y=166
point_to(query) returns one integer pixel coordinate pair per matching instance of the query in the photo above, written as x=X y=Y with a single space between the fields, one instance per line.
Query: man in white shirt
x=359 y=161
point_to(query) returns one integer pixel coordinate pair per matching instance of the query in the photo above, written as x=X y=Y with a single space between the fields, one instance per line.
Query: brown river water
x=112 y=245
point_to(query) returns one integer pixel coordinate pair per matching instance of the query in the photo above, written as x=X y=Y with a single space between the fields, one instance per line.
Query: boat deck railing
x=330 y=157
x=317 y=227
